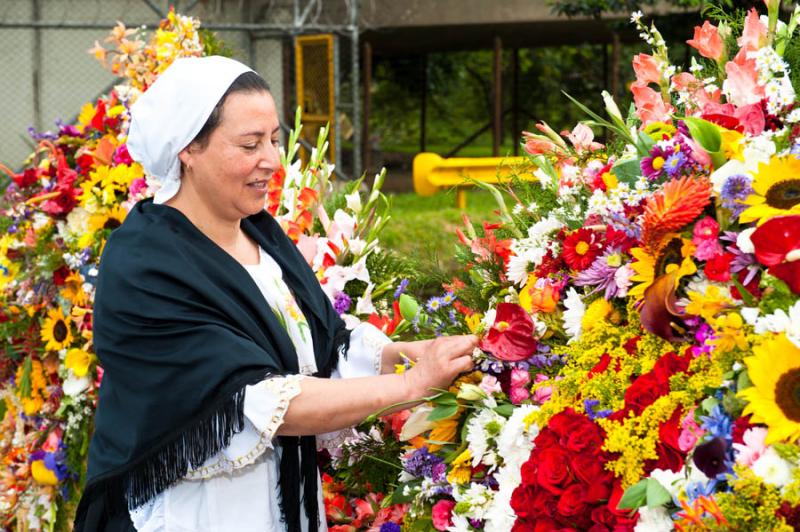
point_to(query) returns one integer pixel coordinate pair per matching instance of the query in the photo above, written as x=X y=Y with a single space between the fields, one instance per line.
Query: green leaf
x=445 y=399
x=627 y=171
x=399 y=495
x=505 y=410
x=3 y=409
x=634 y=497
x=409 y=308
x=743 y=381
x=708 y=136
x=709 y=403
x=24 y=385
x=442 y=412
x=657 y=495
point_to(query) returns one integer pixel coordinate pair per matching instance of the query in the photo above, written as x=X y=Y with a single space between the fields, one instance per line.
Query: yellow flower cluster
x=35 y=397
x=752 y=503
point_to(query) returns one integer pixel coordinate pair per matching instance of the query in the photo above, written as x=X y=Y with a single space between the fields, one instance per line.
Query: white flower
x=653 y=520
x=74 y=386
x=488 y=318
x=353 y=201
x=759 y=150
x=417 y=422
x=482 y=428
x=517 y=268
x=460 y=524
x=476 y=497
x=671 y=481
x=636 y=16
x=350 y=321
x=78 y=221
x=743 y=241
x=573 y=315
x=364 y=304
x=356 y=245
x=749 y=314
x=773 y=469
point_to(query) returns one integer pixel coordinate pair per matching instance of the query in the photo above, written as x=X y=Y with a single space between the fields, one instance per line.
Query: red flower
x=511 y=337
x=275 y=190
x=777 y=245
x=581 y=247
x=718 y=268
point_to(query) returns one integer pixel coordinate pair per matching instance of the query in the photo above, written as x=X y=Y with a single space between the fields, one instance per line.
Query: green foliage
x=598 y=8
x=369 y=461
x=213 y=45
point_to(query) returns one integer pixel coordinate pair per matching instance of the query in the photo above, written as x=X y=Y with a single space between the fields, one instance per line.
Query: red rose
x=589 y=468
x=553 y=473
x=670 y=364
x=573 y=501
x=547 y=438
x=528 y=472
x=718 y=268
x=585 y=437
x=643 y=392
x=522 y=525
x=522 y=502
x=565 y=423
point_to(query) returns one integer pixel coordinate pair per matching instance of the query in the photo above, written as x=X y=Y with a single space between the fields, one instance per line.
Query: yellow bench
x=433 y=173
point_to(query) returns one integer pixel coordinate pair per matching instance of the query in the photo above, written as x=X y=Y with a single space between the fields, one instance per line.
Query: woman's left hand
x=399 y=352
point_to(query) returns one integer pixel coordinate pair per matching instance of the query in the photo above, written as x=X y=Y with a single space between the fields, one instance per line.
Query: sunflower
x=108 y=218
x=774 y=398
x=676 y=254
x=776 y=190
x=56 y=330
x=73 y=289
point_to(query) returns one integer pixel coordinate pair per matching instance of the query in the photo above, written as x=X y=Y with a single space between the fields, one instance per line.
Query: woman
x=216 y=339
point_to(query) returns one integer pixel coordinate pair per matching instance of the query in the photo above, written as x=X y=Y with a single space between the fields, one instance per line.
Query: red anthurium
x=777 y=245
x=511 y=337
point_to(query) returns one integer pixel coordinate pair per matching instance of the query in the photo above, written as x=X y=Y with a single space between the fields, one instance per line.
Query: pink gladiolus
x=707 y=41
x=754 y=34
x=582 y=137
x=752 y=448
x=704 y=237
x=646 y=69
x=536 y=145
x=742 y=85
x=699 y=95
x=441 y=514
x=650 y=107
x=307 y=245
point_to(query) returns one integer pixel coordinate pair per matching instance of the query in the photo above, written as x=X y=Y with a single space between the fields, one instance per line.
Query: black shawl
x=180 y=329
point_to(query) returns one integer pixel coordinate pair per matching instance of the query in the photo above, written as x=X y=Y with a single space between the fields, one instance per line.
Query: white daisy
x=573 y=315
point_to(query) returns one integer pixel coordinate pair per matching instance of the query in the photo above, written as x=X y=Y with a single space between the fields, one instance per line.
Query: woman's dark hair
x=247 y=82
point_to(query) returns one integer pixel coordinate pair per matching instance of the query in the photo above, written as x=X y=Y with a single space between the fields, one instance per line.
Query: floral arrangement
x=55 y=216
x=639 y=309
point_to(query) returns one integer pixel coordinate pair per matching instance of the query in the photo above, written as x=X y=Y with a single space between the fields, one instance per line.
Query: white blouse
x=237 y=489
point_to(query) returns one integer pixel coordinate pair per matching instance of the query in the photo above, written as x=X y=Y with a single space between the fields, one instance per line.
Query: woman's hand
x=439 y=362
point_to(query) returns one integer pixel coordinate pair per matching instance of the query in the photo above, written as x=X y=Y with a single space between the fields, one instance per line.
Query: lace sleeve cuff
x=265 y=405
x=364 y=356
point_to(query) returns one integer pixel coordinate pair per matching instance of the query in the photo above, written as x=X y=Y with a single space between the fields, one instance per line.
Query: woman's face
x=231 y=172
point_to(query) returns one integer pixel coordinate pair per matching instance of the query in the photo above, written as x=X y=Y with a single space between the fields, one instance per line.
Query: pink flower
x=690 y=432
x=705 y=237
x=646 y=69
x=490 y=385
x=542 y=395
x=518 y=395
x=520 y=377
x=650 y=107
x=536 y=145
x=752 y=448
x=441 y=513
x=754 y=34
x=752 y=119
x=707 y=41
x=582 y=137
x=307 y=245
x=741 y=86
x=137 y=188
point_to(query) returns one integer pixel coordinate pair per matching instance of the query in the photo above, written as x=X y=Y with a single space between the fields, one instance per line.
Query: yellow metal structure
x=433 y=173
x=315 y=87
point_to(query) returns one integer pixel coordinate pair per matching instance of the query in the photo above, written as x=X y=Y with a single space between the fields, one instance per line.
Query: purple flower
x=434 y=304
x=675 y=163
x=421 y=463
x=653 y=166
x=703 y=334
x=741 y=261
x=796 y=150
x=601 y=274
x=341 y=303
x=448 y=299
x=46 y=135
x=401 y=288
x=590 y=404
x=390 y=527
x=736 y=188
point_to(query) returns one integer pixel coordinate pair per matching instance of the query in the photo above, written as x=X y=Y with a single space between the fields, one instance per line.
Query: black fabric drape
x=180 y=329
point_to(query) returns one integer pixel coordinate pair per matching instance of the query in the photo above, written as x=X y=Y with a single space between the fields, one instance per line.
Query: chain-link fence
x=49 y=73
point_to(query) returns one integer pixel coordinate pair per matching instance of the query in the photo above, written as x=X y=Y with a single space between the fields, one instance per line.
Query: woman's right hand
x=447 y=357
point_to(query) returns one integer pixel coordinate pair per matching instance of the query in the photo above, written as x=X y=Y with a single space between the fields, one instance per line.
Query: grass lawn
x=424 y=228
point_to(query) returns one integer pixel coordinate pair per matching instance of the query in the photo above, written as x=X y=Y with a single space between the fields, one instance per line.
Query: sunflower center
x=581 y=248
x=670 y=255
x=60 y=331
x=111 y=223
x=784 y=194
x=787 y=394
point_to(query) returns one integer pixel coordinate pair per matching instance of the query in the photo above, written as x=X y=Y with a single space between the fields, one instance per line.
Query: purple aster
x=796 y=150
x=589 y=406
x=401 y=288
x=390 y=527
x=653 y=165
x=736 y=188
x=421 y=463
x=675 y=164
x=448 y=299
x=434 y=304
x=341 y=303
x=601 y=275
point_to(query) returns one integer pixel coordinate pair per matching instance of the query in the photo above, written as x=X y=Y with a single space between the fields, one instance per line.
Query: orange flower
x=678 y=203
x=707 y=41
x=539 y=295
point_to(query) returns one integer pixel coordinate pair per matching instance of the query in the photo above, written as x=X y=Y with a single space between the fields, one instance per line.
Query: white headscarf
x=170 y=114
